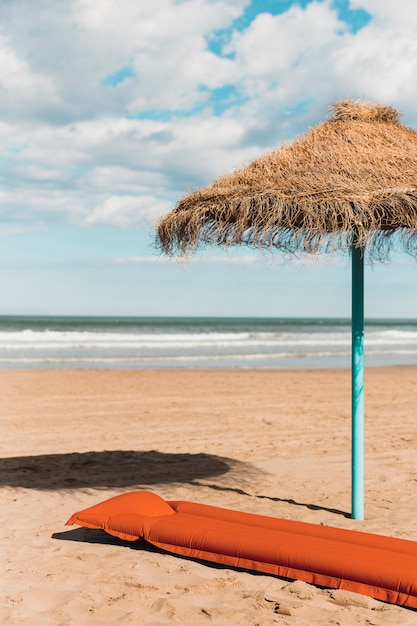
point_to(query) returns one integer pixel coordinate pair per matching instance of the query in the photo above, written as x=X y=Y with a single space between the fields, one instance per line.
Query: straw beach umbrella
x=348 y=184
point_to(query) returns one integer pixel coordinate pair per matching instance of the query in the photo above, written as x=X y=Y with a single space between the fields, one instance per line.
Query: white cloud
x=310 y=56
x=75 y=149
x=74 y=169
x=274 y=45
x=390 y=14
x=72 y=46
x=128 y=211
x=21 y=87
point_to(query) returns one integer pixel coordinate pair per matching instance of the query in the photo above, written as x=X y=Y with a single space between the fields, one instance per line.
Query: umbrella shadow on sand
x=136 y=469
x=111 y=469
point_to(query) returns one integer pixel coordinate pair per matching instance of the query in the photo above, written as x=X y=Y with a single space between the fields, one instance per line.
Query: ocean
x=167 y=342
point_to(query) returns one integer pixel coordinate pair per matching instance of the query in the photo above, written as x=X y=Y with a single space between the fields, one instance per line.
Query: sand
x=271 y=442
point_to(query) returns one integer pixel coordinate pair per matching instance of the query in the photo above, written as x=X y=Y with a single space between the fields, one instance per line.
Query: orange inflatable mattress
x=384 y=568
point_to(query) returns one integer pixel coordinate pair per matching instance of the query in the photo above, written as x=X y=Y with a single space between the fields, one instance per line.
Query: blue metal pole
x=358 y=421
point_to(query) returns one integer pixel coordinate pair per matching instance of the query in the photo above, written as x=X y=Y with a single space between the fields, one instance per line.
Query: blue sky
x=111 y=111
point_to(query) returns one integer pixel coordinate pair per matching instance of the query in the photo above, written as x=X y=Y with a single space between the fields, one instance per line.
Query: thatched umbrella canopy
x=355 y=175
x=348 y=184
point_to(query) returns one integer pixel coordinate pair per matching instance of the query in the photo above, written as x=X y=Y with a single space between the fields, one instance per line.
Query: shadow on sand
x=310 y=506
x=134 y=469
x=90 y=535
x=111 y=469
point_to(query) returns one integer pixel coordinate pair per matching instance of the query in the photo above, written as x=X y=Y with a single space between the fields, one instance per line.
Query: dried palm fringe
x=327 y=229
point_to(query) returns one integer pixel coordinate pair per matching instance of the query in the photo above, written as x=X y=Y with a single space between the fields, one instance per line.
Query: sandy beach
x=270 y=442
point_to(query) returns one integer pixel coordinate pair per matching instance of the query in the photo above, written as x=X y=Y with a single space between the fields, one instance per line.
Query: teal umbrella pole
x=358 y=421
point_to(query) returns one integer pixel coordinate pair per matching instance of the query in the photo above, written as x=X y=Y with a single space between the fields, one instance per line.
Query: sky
x=111 y=110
